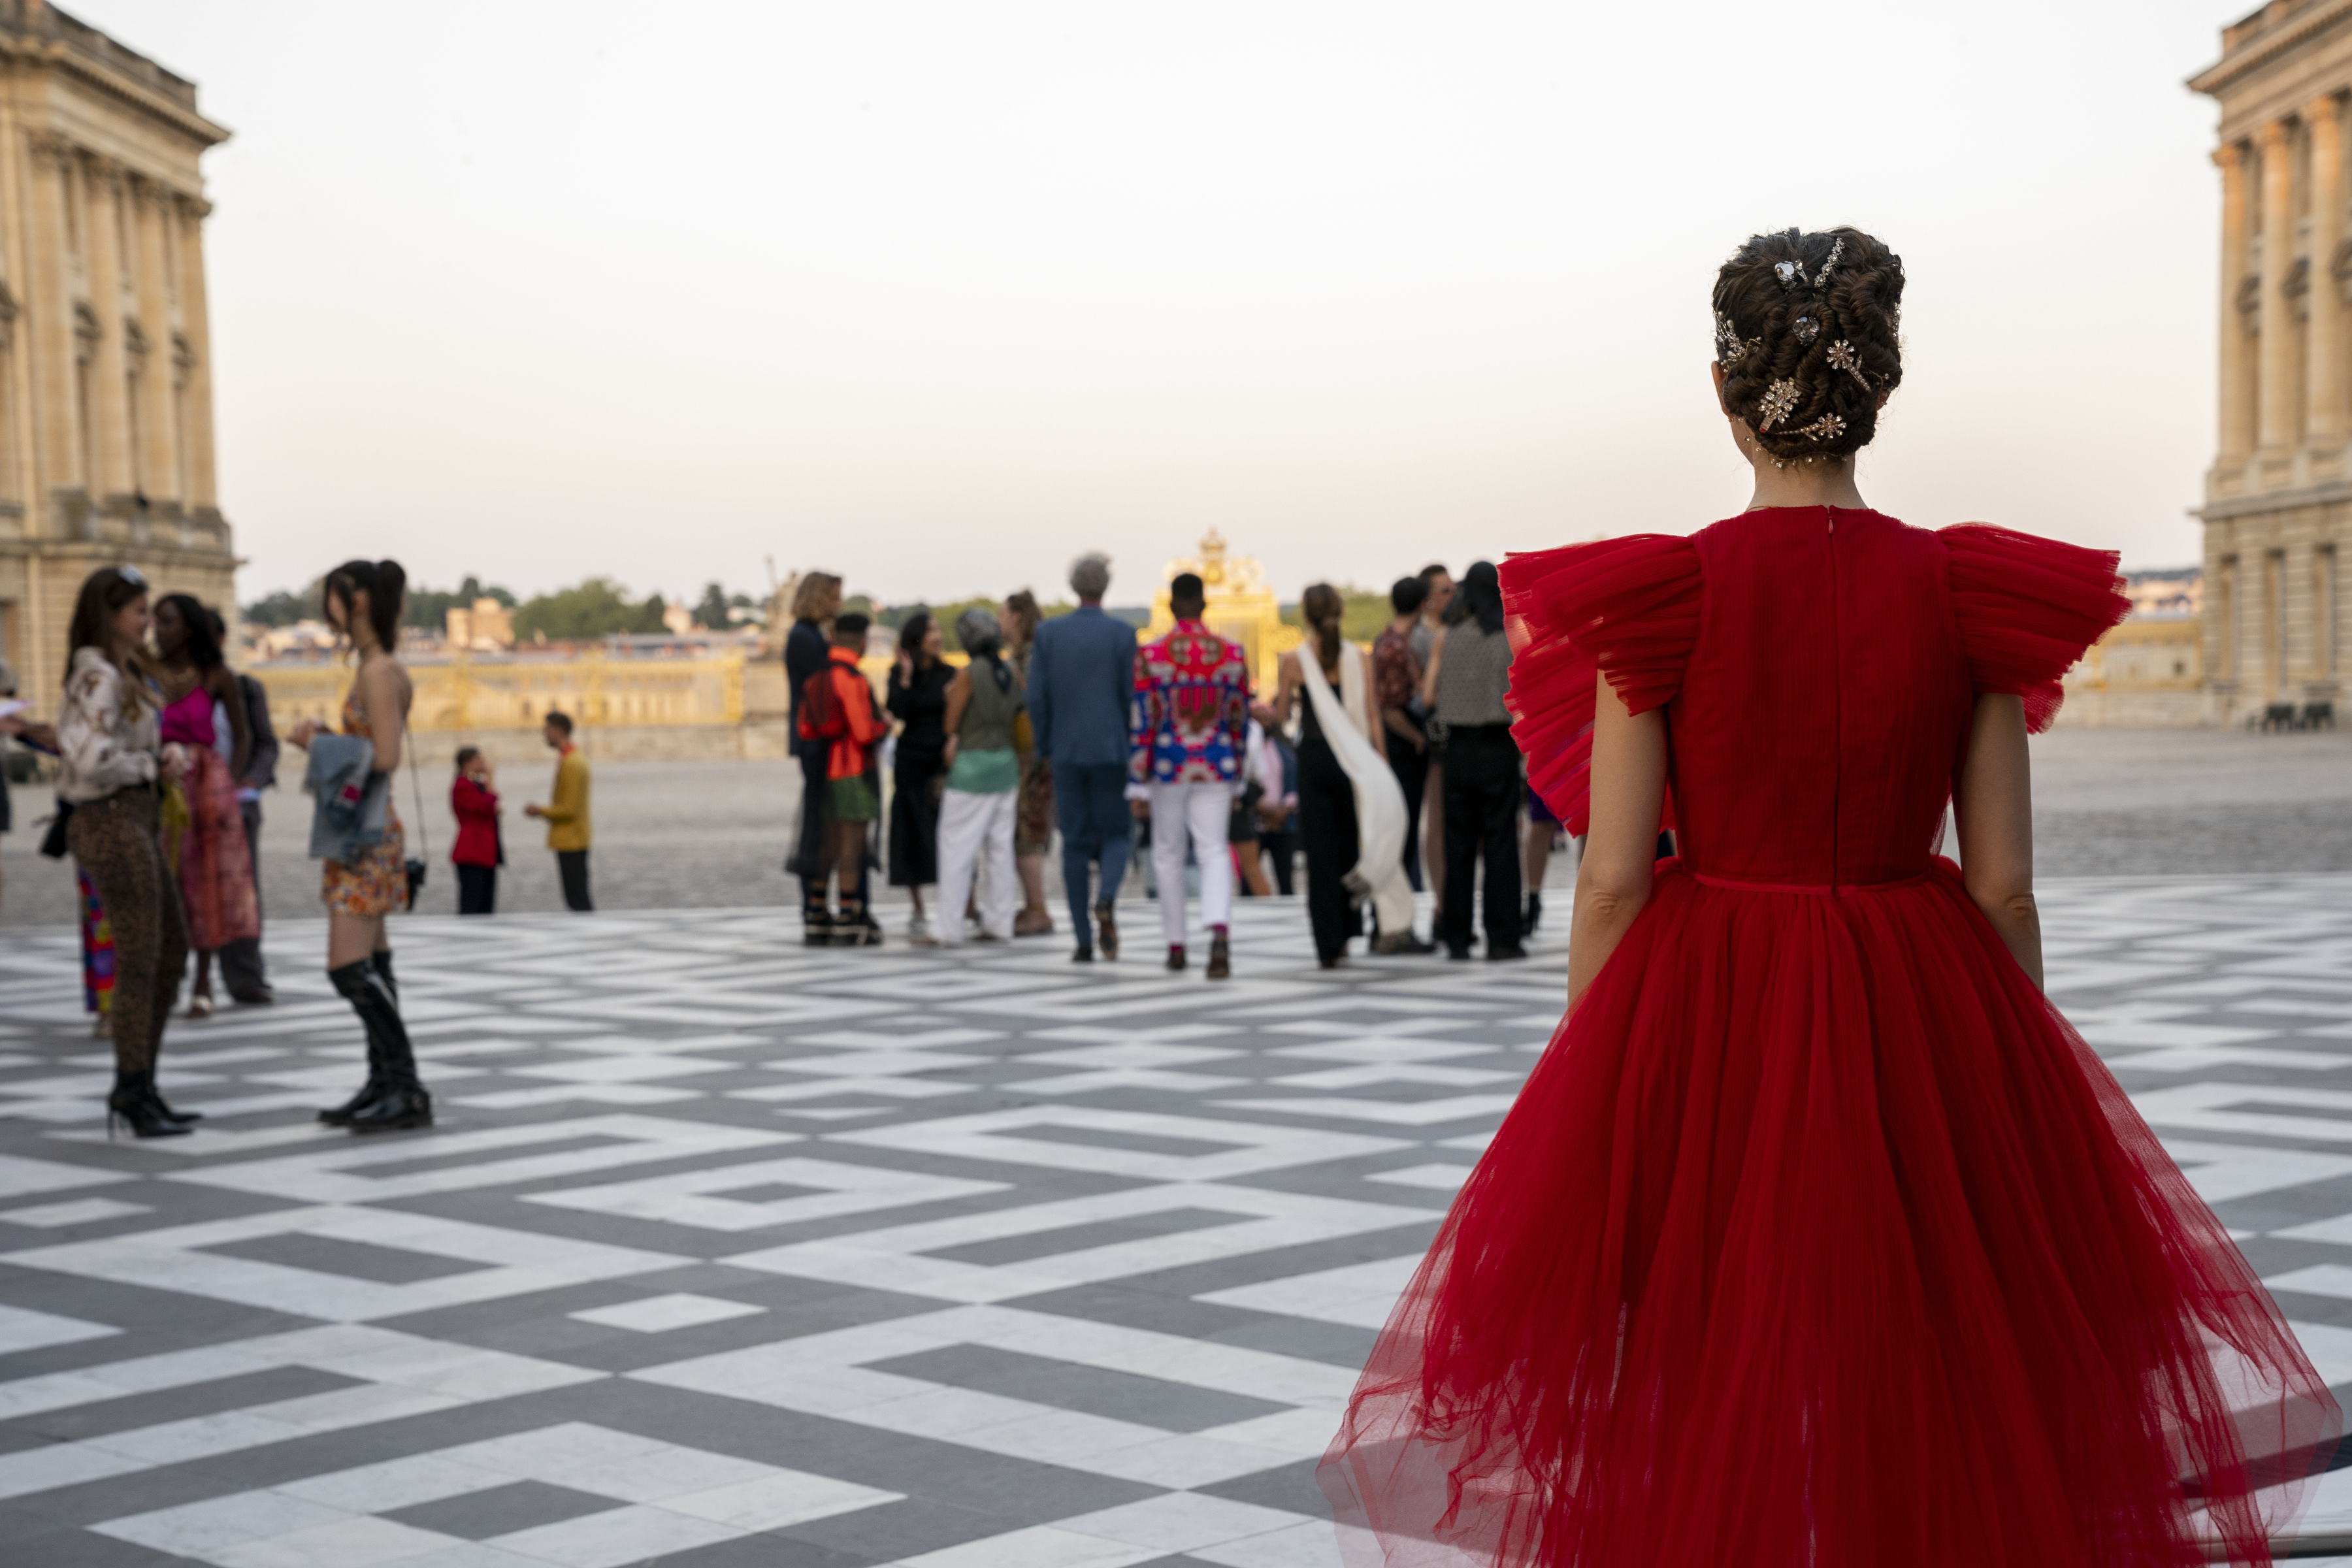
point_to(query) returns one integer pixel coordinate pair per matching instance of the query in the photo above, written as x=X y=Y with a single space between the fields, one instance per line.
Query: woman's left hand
x=175 y=761
x=302 y=732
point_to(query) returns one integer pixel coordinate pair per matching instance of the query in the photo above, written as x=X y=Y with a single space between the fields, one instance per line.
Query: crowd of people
x=1392 y=772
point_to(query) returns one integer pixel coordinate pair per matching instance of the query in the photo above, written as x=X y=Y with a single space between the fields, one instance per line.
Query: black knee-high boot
x=382 y=959
x=397 y=1099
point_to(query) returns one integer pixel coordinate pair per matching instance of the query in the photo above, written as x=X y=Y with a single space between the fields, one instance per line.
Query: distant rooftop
x=36 y=19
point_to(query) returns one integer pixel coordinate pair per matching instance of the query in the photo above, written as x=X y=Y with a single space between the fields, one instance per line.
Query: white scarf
x=1379 y=799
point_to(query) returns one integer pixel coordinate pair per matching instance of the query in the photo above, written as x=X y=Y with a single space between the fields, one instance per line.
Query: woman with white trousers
x=976 y=814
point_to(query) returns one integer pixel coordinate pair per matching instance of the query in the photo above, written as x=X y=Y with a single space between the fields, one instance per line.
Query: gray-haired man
x=1081 y=686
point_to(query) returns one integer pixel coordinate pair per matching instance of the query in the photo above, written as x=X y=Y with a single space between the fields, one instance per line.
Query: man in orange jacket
x=838 y=710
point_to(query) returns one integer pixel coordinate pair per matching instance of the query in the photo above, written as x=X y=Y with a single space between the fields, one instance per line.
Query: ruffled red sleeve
x=1626 y=605
x=2027 y=608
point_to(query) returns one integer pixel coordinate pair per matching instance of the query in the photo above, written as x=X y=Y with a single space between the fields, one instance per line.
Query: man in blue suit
x=1081 y=686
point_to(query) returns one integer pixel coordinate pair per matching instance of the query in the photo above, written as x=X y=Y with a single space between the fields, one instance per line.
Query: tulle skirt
x=1817 y=1239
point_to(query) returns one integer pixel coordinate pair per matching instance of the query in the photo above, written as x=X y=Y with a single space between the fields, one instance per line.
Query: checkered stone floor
x=726 y=1251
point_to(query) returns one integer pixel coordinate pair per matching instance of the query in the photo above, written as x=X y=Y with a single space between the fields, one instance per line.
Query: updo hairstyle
x=1807 y=331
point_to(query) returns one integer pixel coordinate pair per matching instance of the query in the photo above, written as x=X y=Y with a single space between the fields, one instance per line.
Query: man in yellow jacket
x=566 y=814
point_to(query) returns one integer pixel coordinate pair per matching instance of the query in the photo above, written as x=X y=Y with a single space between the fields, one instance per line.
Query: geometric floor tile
x=728 y=1250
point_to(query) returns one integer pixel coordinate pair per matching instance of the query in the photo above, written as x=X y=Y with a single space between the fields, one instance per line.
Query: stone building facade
x=106 y=404
x=2278 y=500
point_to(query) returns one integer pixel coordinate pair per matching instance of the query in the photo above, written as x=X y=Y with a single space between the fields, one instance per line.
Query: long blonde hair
x=808 y=599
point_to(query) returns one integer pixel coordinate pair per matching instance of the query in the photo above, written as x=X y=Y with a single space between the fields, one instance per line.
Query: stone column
x=109 y=392
x=195 y=325
x=159 y=459
x=2276 y=431
x=2237 y=433
x=49 y=337
x=2323 y=418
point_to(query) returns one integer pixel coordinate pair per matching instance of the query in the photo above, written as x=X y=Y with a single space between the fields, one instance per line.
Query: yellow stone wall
x=492 y=693
x=2148 y=672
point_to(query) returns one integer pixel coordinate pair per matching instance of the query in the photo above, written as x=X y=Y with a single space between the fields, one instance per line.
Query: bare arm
x=383 y=694
x=1994 y=804
x=1285 y=686
x=1629 y=792
x=959 y=699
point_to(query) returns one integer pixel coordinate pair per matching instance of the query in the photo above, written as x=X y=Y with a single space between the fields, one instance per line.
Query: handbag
x=414 y=865
x=53 y=842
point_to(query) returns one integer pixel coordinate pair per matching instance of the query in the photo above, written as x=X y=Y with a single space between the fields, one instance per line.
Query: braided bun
x=1807 y=332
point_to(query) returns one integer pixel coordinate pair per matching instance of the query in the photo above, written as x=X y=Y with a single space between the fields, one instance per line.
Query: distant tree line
x=597 y=607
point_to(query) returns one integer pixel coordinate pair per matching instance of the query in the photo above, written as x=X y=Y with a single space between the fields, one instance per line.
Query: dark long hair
x=387 y=587
x=204 y=647
x=911 y=635
x=1480 y=595
x=1321 y=608
x=103 y=594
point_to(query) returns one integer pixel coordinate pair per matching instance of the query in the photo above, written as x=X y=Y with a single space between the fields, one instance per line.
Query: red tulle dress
x=1818 y=1238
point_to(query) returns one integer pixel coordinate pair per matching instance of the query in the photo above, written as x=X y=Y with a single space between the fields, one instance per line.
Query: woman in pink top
x=206 y=851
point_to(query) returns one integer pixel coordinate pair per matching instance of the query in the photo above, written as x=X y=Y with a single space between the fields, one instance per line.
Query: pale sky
x=938 y=296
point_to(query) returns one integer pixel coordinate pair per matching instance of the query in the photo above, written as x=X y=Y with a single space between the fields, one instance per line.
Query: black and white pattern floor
x=727 y=1251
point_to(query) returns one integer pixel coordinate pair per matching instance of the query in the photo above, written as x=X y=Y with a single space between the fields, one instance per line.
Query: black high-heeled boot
x=393 y=1098
x=135 y=1101
x=382 y=961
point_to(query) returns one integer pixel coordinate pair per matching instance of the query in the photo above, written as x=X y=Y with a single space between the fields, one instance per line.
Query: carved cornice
x=59 y=55
x=2267 y=49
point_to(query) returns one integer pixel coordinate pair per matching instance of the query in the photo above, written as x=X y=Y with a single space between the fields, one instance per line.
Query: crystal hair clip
x=1806 y=329
x=1828 y=428
x=1842 y=357
x=1821 y=279
x=1780 y=402
x=1791 y=273
x=1729 y=350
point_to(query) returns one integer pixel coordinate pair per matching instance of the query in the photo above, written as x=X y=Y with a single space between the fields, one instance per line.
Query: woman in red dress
x=1817 y=1238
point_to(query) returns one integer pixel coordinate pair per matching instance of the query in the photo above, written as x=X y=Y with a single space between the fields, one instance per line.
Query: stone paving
x=729 y=1252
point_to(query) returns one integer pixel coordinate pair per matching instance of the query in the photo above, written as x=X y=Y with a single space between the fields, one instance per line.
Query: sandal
x=200 y=1007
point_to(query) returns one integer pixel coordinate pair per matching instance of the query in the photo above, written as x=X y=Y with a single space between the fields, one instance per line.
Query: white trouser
x=976 y=832
x=1205 y=812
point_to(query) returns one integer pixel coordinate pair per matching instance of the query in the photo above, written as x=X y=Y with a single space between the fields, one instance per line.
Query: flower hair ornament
x=1780 y=402
x=1842 y=357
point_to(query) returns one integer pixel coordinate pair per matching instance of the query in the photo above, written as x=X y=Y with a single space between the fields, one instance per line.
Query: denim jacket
x=350 y=801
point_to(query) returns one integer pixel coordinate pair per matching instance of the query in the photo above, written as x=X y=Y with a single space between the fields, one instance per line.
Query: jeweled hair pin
x=1842 y=357
x=1780 y=402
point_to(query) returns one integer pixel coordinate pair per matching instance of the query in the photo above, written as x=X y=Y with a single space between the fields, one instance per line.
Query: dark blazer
x=1081 y=688
x=806 y=651
x=261 y=763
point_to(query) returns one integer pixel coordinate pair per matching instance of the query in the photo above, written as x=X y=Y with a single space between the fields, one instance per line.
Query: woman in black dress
x=919 y=700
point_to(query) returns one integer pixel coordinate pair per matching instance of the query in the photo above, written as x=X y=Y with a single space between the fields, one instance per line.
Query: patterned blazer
x=1191 y=722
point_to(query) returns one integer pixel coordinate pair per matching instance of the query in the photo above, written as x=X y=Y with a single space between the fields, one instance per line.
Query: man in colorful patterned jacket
x=1191 y=724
